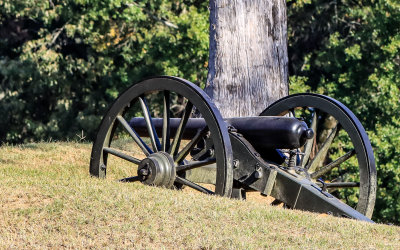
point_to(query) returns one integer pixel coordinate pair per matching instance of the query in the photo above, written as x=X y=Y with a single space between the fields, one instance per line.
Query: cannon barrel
x=261 y=131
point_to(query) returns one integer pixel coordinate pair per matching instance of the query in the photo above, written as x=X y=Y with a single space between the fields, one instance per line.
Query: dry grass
x=48 y=200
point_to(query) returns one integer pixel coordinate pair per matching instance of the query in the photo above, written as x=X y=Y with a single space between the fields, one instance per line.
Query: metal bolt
x=235 y=163
x=210 y=151
x=143 y=172
x=258 y=174
x=323 y=184
x=103 y=167
x=256 y=154
x=232 y=129
x=309 y=133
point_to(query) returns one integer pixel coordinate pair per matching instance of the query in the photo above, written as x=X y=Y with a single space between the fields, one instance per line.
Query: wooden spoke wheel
x=339 y=158
x=161 y=157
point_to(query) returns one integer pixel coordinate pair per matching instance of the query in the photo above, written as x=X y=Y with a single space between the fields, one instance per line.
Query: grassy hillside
x=48 y=200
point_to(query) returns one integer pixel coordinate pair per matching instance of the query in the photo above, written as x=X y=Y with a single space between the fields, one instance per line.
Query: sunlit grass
x=48 y=200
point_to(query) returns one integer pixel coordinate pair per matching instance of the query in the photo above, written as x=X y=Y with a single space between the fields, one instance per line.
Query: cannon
x=304 y=151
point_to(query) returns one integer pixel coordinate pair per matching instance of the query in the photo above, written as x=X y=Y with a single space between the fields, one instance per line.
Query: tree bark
x=248 y=64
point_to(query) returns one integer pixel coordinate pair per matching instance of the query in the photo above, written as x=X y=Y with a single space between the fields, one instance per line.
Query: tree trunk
x=248 y=55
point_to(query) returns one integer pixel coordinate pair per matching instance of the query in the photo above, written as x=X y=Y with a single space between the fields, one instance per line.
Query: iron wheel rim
x=354 y=129
x=194 y=95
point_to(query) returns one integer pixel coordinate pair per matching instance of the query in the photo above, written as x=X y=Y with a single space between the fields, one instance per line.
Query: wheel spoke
x=333 y=165
x=195 y=164
x=320 y=157
x=179 y=132
x=150 y=126
x=199 y=155
x=121 y=155
x=146 y=150
x=193 y=185
x=131 y=179
x=186 y=150
x=166 y=121
x=341 y=184
x=292 y=113
x=310 y=143
x=322 y=162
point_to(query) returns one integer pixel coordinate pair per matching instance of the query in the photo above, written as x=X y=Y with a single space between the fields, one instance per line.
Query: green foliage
x=63 y=62
x=350 y=50
x=298 y=84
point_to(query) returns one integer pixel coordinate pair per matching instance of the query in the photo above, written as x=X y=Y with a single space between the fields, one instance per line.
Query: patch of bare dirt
x=250 y=196
x=22 y=200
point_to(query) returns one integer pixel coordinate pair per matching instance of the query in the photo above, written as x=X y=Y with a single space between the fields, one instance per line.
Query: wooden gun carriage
x=307 y=151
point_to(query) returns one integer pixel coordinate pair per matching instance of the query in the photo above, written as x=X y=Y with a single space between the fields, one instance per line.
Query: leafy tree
x=63 y=62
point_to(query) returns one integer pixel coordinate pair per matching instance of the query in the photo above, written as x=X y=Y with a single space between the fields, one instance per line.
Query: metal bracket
x=238 y=193
x=270 y=181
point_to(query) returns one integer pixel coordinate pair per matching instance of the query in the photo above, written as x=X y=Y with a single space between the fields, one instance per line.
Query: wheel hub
x=157 y=169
